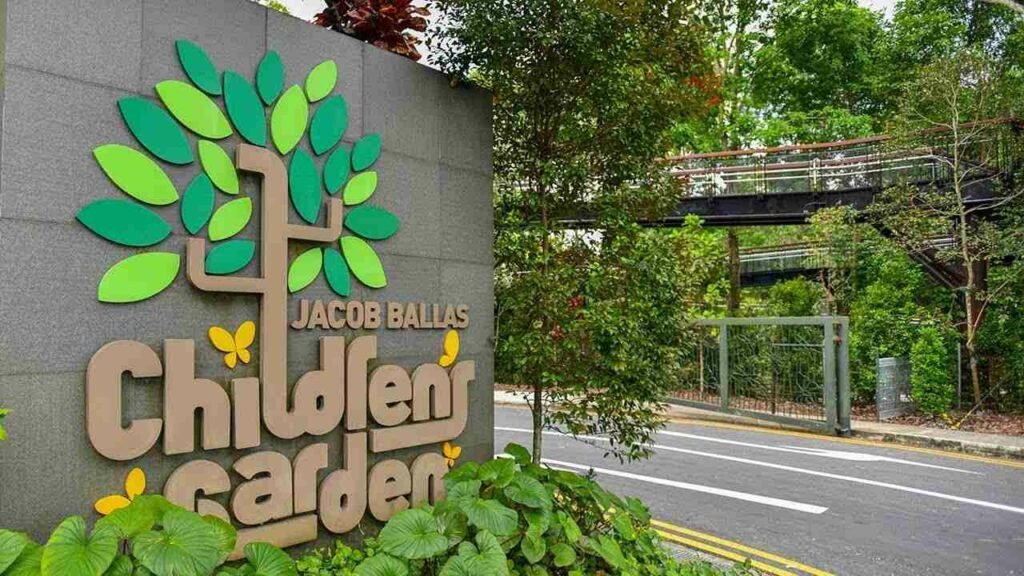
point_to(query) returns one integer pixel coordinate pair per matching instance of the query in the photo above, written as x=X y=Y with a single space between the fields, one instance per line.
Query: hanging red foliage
x=387 y=24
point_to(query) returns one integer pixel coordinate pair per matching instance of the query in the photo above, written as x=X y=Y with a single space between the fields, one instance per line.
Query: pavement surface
x=813 y=504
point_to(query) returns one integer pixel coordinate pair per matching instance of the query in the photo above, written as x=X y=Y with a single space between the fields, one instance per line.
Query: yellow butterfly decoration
x=134 y=484
x=236 y=347
x=451 y=349
x=451 y=453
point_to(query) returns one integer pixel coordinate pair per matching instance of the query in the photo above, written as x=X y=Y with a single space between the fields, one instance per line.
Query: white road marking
x=854 y=479
x=840 y=455
x=766 y=500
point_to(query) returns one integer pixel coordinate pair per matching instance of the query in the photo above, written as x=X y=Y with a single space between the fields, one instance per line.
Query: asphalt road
x=858 y=510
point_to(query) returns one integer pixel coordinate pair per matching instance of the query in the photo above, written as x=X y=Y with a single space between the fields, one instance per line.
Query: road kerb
x=759 y=559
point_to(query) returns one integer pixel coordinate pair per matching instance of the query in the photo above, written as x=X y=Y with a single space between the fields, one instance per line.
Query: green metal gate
x=791 y=370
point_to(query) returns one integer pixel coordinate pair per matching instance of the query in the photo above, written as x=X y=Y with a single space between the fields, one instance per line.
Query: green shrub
x=150 y=537
x=930 y=383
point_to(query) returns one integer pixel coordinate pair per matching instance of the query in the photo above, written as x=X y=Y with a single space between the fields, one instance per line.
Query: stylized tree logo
x=131 y=224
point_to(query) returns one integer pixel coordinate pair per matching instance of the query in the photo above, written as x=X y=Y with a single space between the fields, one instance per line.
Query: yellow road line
x=754 y=552
x=724 y=554
x=852 y=441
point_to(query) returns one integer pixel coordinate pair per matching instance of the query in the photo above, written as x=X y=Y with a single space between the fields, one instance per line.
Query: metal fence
x=892 y=394
x=791 y=370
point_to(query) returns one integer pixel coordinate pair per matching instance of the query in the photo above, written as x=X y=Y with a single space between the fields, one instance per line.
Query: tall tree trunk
x=733 y=248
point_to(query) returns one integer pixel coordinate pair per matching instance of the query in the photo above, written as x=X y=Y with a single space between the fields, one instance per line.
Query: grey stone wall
x=60 y=86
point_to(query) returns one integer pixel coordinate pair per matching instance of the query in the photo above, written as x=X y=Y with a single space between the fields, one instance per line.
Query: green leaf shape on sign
x=197 y=203
x=412 y=535
x=154 y=128
x=121 y=566
x=135 y=174
x=11 y=546
x=29 y=563
x=218 y=166
x=363 y=262
x=230 y=219
x=124 y=222
x=382 y=565
x=194 y=109
x=230 y=257
x=492 y=516
x=336 y=170
x=304 y=269
x=304 y=186
x=365 y=152
x=321 y=80
x=329 y=123
x=533 y=547
x=499 y=471
x=198 y=67
x=564 y=555
x=245 y=109
x=138 y=277
x=337 y=273
x=372 y=223
x=528 y=492
x=71 y=551
x=360 y=188
x=269 y=560
x=186 y=545
x=288 y=120
x=129 y=521
x=270 y=77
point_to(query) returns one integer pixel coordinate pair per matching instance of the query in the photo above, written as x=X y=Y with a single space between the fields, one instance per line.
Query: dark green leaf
x=564 y=555
x=528 y=492
x=371 y=222
x=533 y=547
x=245 y=109
x=329 y=123
x=197 y=203
x=520 y=454
x=492 y=516
x=365 y=152
x=270 y=77
x=198 y=67
x=154 y=128
x=337 y=273
x=230 y=257
x=304 y=186
x=124 y=222
x=336 y=170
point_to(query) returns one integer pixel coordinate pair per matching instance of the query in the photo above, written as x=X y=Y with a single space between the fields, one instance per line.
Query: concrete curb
x=1008 y=448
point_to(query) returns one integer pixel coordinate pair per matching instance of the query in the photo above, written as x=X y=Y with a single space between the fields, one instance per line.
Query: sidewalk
x=968 y=442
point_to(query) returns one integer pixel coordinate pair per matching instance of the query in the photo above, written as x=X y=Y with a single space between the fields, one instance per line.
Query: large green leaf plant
x=150 y=537
x=192 y=107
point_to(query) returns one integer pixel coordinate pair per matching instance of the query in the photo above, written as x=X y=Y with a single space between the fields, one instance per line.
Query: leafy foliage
x=3 y=413
x=931 y=380
x=149 y=536
x=387 y=24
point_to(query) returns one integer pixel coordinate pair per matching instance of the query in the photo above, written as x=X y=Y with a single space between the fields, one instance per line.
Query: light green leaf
x=193 y=109
x=328 y=125
x=230 y=219
x=528 y=492
x=321 y=80
x=135 y=174
x=360 y=188
x=270 y=77
x=269 y=560
x=365 y=152
x=569 y=527
x=198 y=67
x=138 y=277
x=623 y=524
x=564 y=555
x=499 y=471
x=70 y=551
x=371 y=222
x=451 y=521
x=245 y=109
x=304 y=269
x=492 y=516
x=609 y=550
x=29 y=563
x=464 y=494
x=412 y=535
x=288 y=121
x=129 y=521
x=154 y=128
x=121 y=566
x=218 y=166
x=124 y=222
x=337 y=273
x=533 y=547
x=304 y=186
x=486 y=557
x=538 y=520
x=336 y=170
x=187 y=545
x=226 y=536
x=197 y=203
x=230 y=257
x=383 y=565
x=363 y=262
x=11 y=546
